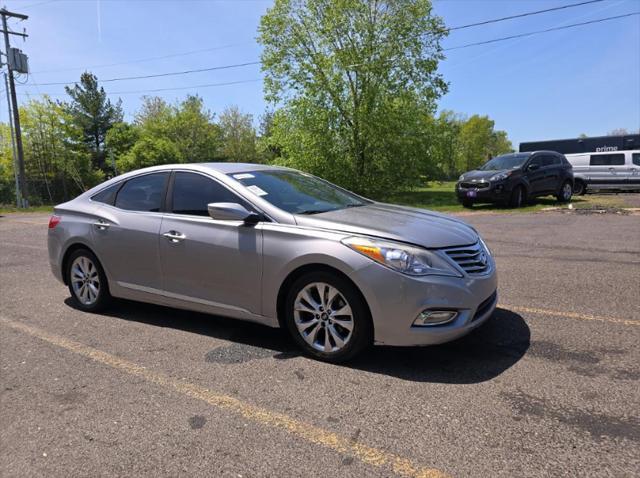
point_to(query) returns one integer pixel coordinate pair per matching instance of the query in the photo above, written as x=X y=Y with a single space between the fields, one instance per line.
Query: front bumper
x=395 y=300
x=482 y=191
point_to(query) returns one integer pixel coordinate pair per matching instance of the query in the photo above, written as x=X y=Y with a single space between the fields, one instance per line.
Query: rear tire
x=517 y=197
x=564 y=195
x=328 y=317
x=87 y=281
x=579 y=188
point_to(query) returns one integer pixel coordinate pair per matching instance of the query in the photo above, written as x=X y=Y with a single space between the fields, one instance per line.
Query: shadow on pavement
x=482 y=355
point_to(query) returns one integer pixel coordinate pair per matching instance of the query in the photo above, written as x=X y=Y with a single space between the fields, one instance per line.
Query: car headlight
x=413 y=261
x=461 y=178
x=500 y=176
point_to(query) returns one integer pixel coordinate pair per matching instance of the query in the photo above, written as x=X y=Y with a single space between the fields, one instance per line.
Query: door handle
x=102 y=224
x=174 y=236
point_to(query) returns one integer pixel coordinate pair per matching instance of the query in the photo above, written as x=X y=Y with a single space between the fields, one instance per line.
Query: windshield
x=508 y=161
x=296 y=192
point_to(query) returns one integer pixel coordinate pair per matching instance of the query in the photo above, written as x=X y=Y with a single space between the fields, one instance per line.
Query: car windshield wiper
x=308 y=212
x=319 y=211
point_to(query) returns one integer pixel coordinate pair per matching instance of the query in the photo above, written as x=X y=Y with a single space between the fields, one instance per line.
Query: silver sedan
x=276 y=246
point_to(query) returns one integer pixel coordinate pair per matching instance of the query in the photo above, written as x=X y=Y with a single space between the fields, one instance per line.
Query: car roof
x=224 y=168
x=227 y=168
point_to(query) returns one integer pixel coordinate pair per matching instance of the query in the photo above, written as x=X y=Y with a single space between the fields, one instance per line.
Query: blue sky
x=555 y=85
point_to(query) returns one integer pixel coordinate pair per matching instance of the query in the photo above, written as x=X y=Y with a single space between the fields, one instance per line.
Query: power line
x=156 y=90
x=520 y=35
x=142 y=60
x=208 y=85
x=257 y=62
x=158 y=75
x=527 y=14
x=22 y=7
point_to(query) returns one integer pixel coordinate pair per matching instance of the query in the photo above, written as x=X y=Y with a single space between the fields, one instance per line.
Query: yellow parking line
x=570 y=315
x=333 y=441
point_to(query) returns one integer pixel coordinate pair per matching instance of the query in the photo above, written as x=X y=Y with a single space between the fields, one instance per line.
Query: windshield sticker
x=256 y=190
x=243 y=176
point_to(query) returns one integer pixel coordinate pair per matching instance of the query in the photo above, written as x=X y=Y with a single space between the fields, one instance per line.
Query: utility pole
x=13 y=146
x=14 y=100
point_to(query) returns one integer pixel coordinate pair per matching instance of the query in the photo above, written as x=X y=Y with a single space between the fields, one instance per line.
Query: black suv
x=513 y=179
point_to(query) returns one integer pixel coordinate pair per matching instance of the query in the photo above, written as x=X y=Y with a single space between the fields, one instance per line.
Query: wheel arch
x=67 y=253
x=313 y=267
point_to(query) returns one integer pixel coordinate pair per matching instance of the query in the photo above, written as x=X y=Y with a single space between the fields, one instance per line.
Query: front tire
x=87 y=281
x=565 y=193
x=579 y=188
x=517 y=197
x=328 y=317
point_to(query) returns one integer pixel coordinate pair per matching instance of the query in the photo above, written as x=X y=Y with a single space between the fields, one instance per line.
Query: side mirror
x=533 y=167
x=231 y=211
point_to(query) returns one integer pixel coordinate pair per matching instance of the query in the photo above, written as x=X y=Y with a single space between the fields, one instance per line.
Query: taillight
x=53 y=221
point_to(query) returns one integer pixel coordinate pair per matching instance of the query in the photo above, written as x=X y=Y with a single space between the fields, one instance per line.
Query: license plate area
x=471 y=194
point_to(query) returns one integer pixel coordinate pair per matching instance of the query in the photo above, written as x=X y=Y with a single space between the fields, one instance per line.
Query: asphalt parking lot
x=548 y=387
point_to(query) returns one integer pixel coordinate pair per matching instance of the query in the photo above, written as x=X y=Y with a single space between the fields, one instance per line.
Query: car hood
x=416 y=226
x=478 y=175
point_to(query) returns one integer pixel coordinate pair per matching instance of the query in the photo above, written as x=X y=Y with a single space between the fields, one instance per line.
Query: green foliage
x=355 y=85
x=479 y=142
x=164 y=134
x=458 y=144
x=355 y=79
x=238 y=136
x=94 y=114
x=57 y=161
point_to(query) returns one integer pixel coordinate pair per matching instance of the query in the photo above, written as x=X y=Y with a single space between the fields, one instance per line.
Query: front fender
x=287 y=248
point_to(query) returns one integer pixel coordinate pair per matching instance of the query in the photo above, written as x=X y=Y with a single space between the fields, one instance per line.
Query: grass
x=6 y=209
x=441 y=196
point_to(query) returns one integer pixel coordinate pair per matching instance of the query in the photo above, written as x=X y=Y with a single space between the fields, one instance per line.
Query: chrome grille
x=472 y=259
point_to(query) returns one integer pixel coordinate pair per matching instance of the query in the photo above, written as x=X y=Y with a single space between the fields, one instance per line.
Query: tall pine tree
x=94 y=114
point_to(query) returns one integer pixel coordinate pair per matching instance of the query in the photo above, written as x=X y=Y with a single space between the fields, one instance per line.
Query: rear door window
x=607 y=160
x=107 y=195
x=143 y=193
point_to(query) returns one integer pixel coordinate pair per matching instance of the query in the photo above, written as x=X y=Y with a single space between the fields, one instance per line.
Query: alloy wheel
x=323 y=317
x=85 y=280
x=567 y=190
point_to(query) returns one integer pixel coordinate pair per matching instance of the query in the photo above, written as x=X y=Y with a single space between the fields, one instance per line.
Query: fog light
x=435 y=317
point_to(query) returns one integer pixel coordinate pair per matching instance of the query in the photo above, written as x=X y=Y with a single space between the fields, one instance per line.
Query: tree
x=120 y=139
x=238 y=135
x=268 y=150
x=94 y=114
x=169 y=134
x=479 y=142
x=354 y=79
x=618 y=132
x=443 y=151
x=57 y=161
